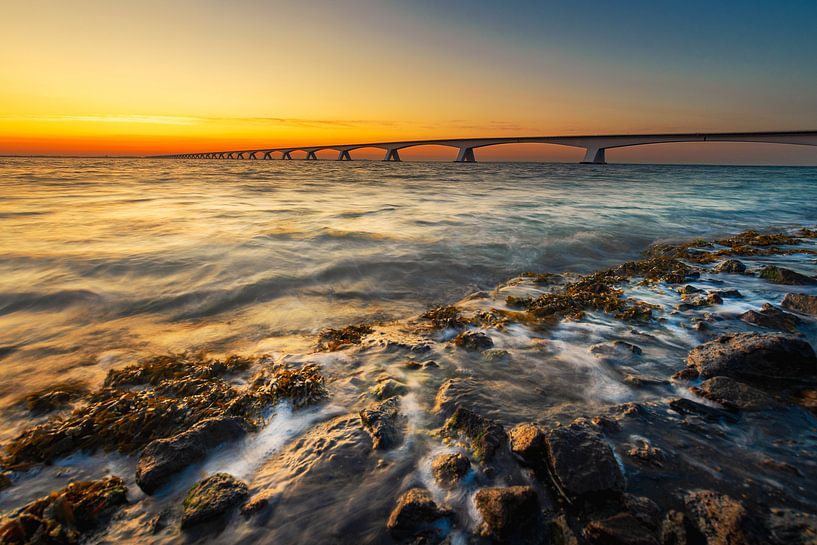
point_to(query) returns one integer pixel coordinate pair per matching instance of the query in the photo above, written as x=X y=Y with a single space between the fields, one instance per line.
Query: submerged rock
x=755 y=358
x=730 y=266
x=67 y=516
x=788 y=277
x=416 y=514
x=473 y=340
x=800 y=302
x=382 y=421
x=619 y=529
x=582 y=463
x=389 y=388
x=733 y=394
x=771 y=318
x=483 y=435
x=791 y=527
x=510 y=515
x=163 y=458
x=616 y=348
x=335 y=339
x=212 y=498
x=722 y=520
x=686 y=406
x=449 y=469
x=55 y=396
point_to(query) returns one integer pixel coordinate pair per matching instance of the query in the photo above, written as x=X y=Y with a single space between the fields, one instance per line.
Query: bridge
x=594 y=146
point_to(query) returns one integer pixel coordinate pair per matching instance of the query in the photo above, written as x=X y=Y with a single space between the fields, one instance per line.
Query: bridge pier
x=267 y=155
x=594 y=156
x=252 y=156
x=287 y=155
x=344 y=156
x=310 y=156
x=392 y=155
x=465 y=155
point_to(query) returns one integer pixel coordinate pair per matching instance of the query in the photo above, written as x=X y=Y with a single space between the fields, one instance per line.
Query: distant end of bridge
x=595 y=146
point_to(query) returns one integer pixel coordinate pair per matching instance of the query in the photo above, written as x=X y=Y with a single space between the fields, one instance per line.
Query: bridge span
x=594 y=145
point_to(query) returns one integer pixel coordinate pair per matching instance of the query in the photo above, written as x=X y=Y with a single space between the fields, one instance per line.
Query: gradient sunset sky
x=144 y=77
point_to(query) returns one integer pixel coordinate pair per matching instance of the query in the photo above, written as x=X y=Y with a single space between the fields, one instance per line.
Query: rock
x=449 y=469
x=450 y=393
x=528 y=442
x=163 y=458
x=509 y=514
x=788 y=277
x=561 y=533
x=212 y=498
x=473 y=340
x=495 y=355
x=255 y=505
x=53 y=397
x=484 y=435
x=646 y=453
x=727 y=293
x=755 y=358
x=416 y=514
x=800 y=302
x=771 y=318
x=64 y=517
x=620 y=529
x=722 y=520
x=582 y=463
x=382 y=421
x=730 y=266
x=733 y=394
x=690 y=289
x=430 y=364
x=388 y=388
x=616 y=348
x=644 y=509
x=685 y=406
x=677 y=529
x=790 y=527
x=412 y=365
x=700 y=300
x=5 y=481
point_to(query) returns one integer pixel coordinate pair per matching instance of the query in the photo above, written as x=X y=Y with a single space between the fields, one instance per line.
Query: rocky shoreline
x=656 y=402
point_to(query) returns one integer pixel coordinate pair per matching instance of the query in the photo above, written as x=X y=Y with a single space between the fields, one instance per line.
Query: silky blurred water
x=105 y=257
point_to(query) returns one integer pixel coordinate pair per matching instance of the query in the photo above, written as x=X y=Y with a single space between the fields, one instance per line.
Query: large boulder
x=382 y=421
x=619 y=529
x=449 y=469
x=788 y=277
x=723 y=520
x=755 y=358
x=582 y=463
x=800 y=302
x=212 y=498
x=510 y=514
x=484 y=436
x=415 y=515
x=733 y=394
x=163 y=458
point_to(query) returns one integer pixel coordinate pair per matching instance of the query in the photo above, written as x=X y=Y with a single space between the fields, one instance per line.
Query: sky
x=99 y=77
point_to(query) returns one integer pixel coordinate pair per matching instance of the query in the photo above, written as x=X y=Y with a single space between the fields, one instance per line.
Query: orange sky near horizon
x=104 y=78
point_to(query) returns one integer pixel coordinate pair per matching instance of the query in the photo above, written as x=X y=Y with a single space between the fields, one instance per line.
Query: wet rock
x=754 y=357
x=382 y=421
x=800 y=302
x=528 y=442
x=412 y=365
x=67 y=516
x=335 y=339
x=495 y=355
x=722 y=520
x=771 y=318
x=620 y=529
x=561 y=533
x=473 y=341
x=644 y=381
x=448 y=317
x=733 y=394
x=582 y=463
x=730 y=266
x=727 y=293
x=55 y=396
x=256 y=505
x=450 y=393
x=791 y=527
x=212 y=498
x=606 y=424
x=616 y=348
x=449 y=469
x=5 y=481
x=389 y=388
x=788 y=277
x=685 y=406
x=644 y=509
x=700 y=300
x=510 y=514
x=689 y=289
x=677 y=529
x=163 y=458
x=416 y=514
x=646 y=453
x=483 y=435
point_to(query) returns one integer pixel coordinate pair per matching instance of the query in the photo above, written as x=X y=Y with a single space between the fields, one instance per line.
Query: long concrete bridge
x=594 y=145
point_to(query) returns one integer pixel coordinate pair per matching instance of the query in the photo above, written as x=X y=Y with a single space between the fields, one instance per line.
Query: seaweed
x=65 y=516
x=126 y=421
x=445 y=317
x=54 y=396
x=333 y=339
x=160 y=368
